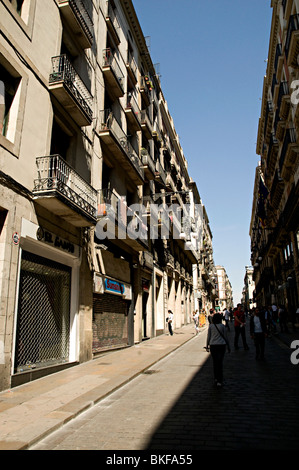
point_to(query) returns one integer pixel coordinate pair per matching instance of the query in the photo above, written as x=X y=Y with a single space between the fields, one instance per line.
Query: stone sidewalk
x=34 y=410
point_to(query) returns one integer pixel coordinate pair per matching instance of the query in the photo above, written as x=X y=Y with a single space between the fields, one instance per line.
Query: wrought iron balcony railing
x=110 y=62
x=79 y=10
x=289 y=140
x=160 y=172
x=64 y=72
x=147 y=160
x=110 y=123
x=112 y=22
x=132 y=67
x=293 y=26
x=56 y=177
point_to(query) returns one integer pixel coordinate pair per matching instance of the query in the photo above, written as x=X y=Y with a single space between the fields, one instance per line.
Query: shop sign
x=55 y=241
x=105 y=284
x=114 y=287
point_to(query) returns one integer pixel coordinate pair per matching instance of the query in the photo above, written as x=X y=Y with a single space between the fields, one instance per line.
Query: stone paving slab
x=33 y=410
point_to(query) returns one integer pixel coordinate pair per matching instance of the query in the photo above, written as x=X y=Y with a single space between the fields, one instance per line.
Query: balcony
x=133 y=113
x=127 y=225
x=148 y=164
x=116 y=143
x=170 y=183
x=112 y=23
x=146 y=89
x=278 y=61
x=292 y=41
x=75 y=15
x=283 y=101
x=63 y=192
x=146 y=124
x=132 y=69
x=152 y=210
x=160 y=173
x=170 y=261
x=272 y=154
x=276 y=191
x=156 y=134
x=112 y=74
x=289 y=154
x=68 y=88
x=268 y=119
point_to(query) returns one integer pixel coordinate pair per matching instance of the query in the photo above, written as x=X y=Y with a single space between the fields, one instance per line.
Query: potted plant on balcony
x=148 y=83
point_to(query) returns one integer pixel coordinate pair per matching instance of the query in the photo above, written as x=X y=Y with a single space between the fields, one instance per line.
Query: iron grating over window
x=43 y=326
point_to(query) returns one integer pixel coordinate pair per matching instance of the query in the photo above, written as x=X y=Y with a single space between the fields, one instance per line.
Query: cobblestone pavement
x=175 y=406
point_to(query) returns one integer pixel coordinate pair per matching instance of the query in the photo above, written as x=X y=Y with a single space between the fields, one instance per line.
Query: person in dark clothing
x=282 y=317
x=240 y=327
x=217 y=341
x=258 y=332
x=210 y=316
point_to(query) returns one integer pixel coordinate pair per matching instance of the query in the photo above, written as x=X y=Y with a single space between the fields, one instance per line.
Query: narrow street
x=175 y=406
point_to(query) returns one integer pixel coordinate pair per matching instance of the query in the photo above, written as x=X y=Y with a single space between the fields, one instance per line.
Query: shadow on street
x=256 y=409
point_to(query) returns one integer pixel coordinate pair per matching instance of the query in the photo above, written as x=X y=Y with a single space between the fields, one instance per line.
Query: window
x=8 y=90
x=288 y=252
x=13 y=86
x=23 y=12
x=17 y=4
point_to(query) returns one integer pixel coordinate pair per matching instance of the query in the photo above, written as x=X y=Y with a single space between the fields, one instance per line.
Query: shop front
x=45 y=327
x=111 y=306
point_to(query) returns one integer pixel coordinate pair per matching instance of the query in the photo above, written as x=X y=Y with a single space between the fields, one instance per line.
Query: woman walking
x=217 y=340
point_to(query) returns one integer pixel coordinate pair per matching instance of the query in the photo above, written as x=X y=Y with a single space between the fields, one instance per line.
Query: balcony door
x=60 y=142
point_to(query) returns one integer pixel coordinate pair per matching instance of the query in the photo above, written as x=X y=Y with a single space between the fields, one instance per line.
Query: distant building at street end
x=248 y=299
x=224 y=292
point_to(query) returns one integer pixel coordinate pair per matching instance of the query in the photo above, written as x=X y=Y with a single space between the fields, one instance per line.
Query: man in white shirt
x=170 y=318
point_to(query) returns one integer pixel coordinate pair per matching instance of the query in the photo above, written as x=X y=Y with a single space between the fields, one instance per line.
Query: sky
x=212 y=58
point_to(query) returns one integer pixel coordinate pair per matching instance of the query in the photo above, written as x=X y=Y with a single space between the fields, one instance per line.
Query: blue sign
x=114 y=287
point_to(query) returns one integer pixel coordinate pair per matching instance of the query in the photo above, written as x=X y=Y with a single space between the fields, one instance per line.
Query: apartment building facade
x=100 y=230
x=224 y=291
x=274 y=227
x=249 y=289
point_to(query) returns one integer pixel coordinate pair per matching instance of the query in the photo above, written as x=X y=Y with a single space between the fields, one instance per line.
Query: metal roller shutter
x=43 y=326
x=110 y=322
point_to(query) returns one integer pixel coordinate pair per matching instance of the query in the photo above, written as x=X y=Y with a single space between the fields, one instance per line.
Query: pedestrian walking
x=226 y=319
x=217 y=341
x=240 y=327
x=282 y=318
x=210 y=316
x=271 y=323
x=258 y=332
x=169 y=321
x=196 y=321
